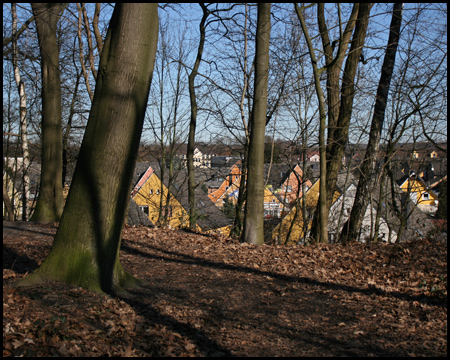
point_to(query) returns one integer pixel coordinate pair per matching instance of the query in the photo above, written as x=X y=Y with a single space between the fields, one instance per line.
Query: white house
x=337 y=218
x=200 y=160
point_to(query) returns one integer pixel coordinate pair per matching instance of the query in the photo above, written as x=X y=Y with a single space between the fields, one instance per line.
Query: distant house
x=291 y=188
x=148 y=196
x=420 y=193
x=340 y=212
x=280 y=232
x=311 y=156
x=200 y=160
x=222 y=184
x=272 y=205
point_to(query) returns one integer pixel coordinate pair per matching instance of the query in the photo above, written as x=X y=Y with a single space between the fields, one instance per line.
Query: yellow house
x=148 y=196
x=279 y=234
x=420 y=193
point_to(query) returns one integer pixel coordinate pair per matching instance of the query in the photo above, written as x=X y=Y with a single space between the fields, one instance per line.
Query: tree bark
x=85 y=251
x=338 y=127
x=351 y=230
x=23 y=118
x=337 y=143
x=193 y=122
x=49 y=205
x=254 y=209
x=321 y=234
x=8 y=203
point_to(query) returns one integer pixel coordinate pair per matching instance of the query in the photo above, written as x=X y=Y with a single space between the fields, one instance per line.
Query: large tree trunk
x=86 y=247
x=50 y=201
x=254 y=209
x=351 y=230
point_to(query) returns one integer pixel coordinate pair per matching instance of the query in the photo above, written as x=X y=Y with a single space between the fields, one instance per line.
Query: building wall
x=291 y=186
x=218 y=194
x=149 y=195
x=417 y=188
x=279 y=234
x=337 y=218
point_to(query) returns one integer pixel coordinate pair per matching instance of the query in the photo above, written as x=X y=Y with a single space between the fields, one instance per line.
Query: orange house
x=235 y=174
x=291 y=189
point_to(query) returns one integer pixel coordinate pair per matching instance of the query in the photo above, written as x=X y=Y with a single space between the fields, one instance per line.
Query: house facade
x=291 y=229
x=272 y=205
x=201 y=160
x=340 y=212
x=421 y=194
x=216 y=193
x=291 y=188
x=151 y=196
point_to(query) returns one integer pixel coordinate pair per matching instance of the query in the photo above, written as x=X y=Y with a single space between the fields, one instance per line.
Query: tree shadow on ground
x=188 y=259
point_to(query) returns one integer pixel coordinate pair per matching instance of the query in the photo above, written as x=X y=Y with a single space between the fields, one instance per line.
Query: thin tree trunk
x=193 y=122
x=86 y=246
x=8 y=203
x=23 y=118
x=68 y=128
x=350 y=231
x=322 y=215
x=254 y=209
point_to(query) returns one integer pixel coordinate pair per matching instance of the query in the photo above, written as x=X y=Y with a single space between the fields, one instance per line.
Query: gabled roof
x=346 y=200
x=417 y=222
x=210 y=217
x=142 y=176
x=415 y=178
x=311 y=197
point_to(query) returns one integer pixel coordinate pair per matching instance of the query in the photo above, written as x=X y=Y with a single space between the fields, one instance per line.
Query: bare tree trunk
x=86 y=246
x=82 y=61
x=322 y=216
x=338 y=132
x=65 y=142
x=23 y=118
x=238 y=214
x=350 y=231
x=193 y=122
x=8 y=204
x=254 y=209
x=50 y=200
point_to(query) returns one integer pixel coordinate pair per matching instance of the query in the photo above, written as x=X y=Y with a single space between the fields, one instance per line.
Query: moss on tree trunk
x=86 y=247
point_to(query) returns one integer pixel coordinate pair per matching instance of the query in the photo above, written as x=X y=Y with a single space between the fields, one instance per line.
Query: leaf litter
x=207 y=295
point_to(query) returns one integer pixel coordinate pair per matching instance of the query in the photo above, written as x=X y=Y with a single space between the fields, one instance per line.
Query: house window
x=288 y=188
x=144 y=209
x=151 y=192
x=426 y=196
x=157 y=192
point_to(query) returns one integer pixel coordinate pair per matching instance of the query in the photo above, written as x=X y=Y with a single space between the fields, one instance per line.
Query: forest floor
x=213 y=296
